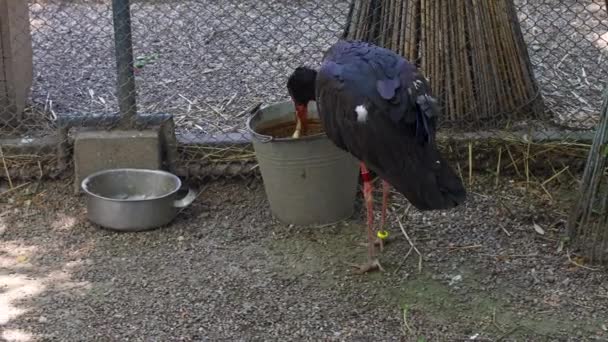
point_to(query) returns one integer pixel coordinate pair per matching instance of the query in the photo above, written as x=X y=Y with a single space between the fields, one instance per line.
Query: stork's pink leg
x=385 y=192
x=369 y=204
x=373 y=262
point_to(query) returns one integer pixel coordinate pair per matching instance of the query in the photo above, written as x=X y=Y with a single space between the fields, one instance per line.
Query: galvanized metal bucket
x=307 y=180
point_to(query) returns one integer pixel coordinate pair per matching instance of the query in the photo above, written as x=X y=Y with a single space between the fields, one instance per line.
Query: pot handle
x=186 y=200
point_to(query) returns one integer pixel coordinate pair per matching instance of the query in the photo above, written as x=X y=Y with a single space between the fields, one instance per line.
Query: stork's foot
x=371 y=265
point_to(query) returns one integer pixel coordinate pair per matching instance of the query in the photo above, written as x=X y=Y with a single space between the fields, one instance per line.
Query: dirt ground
x=225 y=270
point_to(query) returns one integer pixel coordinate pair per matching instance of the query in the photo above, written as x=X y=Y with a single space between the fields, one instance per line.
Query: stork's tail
x=429 y=183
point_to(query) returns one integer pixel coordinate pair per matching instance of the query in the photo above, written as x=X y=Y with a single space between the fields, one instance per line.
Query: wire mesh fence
x=209 y=63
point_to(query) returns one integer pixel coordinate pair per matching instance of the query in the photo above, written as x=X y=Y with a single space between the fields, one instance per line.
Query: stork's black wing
x=376 y=105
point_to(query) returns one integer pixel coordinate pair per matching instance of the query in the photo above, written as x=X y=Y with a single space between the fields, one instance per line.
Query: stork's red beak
x=302 y=113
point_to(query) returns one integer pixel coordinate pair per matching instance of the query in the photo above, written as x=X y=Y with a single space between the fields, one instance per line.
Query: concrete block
x=101 y=150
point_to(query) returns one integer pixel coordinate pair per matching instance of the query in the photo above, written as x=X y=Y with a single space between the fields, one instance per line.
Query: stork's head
x=301 y=85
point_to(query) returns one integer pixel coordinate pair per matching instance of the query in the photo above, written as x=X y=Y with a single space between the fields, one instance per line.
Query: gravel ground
x=225 y=270
x=214 y=59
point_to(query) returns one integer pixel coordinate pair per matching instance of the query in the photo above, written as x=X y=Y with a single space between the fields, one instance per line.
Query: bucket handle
x=186 y=200
x=262 y=138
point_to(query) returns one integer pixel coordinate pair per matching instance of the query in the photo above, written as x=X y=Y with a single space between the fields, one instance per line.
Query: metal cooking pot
x=134 y=199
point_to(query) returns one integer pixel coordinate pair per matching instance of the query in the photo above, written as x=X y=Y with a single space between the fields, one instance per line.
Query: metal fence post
x=124 y=61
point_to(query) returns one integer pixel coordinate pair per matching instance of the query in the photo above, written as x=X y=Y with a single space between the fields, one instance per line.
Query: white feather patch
x=361 y=113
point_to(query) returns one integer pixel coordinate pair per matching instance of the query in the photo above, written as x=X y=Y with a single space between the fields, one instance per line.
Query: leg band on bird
x=365 y=174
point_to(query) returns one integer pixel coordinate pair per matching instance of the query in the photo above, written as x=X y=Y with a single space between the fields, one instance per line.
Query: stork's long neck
x=301 y=85
x=301 y=120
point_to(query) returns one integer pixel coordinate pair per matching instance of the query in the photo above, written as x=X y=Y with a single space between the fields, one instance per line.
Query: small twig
x=457 y=163
x=404 y=259
x=504 y=206
x=562 y=60
x=495 y=322
x=510 y=256
x=579 y=265
x=513 y=161
x=325 y=225
x=188 y=110
x=248 y=110
x=527 y=164
x=555 y=175
x=92 y=310
x=470 y=163
x=40 y=175
x=405 y=324
x=8 y=175
x=410 y=240
x=229 y=102
x=185 y=98
x=456 y=248
x=498 y=166
x=215 y=110
x=581 y=305
x=508 y=333
x=546 y=192
x=13 y=189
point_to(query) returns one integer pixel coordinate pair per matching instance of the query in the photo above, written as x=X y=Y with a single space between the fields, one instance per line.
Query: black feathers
x=301 y=85
x=387 y=80
x=396 y=139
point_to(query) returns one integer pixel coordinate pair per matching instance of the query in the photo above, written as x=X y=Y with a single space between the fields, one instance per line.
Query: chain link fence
x=208 y=63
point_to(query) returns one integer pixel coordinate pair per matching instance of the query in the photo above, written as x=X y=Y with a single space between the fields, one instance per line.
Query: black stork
x=377 y=106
